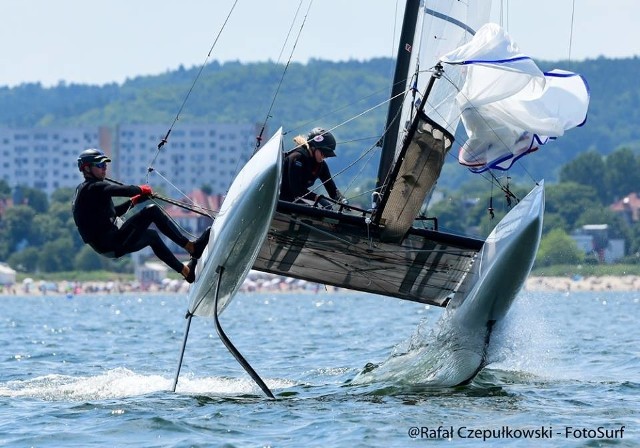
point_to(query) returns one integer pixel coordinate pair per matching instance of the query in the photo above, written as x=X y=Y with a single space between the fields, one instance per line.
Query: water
x=97 y=370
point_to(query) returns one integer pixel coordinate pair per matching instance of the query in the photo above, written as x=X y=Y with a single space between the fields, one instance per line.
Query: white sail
x=442 y=26
x=509 y=107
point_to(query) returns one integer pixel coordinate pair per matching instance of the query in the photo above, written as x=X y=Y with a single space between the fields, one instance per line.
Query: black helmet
x=89 y=156
x=323 y=140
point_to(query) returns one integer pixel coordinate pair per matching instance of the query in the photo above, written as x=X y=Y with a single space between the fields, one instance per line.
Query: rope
x=191 y=207
x=275 y=95
x=369 y=150
x=184 y=102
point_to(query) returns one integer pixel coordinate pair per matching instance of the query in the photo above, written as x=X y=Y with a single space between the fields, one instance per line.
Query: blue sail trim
x=536 y=142
x=495 y=61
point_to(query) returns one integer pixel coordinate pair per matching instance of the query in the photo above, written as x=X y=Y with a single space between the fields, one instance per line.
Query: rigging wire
x=191 y=205
x=284 y=71
x=156 y=197
x=369 y=150
x=305 y=124
x=573 y=11
x=164 y=140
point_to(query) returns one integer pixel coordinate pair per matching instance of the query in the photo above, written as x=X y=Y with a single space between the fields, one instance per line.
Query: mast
x=399 y=83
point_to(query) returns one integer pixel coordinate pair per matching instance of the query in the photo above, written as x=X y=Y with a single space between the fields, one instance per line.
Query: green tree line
x=318 y=92
x=587 y=186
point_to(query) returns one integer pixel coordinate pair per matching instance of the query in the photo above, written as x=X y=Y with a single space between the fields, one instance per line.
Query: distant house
x=7 y=275
x=151 y=272
x=192 y=222
x=594 y=239
x=629 y=207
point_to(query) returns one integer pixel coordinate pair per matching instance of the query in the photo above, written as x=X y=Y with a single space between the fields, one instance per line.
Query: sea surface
x=97 y=371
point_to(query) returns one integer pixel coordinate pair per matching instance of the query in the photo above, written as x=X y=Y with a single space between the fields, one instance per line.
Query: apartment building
x=44 y=158
x=195 y=155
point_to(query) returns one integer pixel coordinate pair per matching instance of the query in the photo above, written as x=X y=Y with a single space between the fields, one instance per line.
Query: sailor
x=305 y=164
x=99 y=223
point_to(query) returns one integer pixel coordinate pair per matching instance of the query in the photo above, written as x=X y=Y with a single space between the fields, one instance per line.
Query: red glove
x=146 y=190
x=138 y=198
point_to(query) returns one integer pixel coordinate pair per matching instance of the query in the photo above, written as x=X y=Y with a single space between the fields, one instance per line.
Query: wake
x=123 y=383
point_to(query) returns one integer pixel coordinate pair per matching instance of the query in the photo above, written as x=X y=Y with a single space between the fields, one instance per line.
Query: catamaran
x=459 y=81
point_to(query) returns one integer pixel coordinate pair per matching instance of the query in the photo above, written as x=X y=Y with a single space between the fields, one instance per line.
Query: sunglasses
x=100 y=165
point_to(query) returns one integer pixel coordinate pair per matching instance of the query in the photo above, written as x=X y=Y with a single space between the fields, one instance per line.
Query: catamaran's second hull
x=455 y=351
x=498 y=275
x=503 y=264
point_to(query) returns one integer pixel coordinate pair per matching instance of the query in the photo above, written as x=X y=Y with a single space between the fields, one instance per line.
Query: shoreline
x=578 y=283
x=275 y=284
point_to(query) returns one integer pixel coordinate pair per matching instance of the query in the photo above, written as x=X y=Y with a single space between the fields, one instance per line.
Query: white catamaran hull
x=456 y=349
x=503 y=264
x=501 y=268
x=239 y=230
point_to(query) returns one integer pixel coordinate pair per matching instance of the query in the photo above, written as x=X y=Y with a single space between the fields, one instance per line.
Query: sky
x=98 y=42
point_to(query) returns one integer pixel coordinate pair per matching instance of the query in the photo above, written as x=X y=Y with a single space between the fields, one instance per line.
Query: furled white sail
x=509 y=107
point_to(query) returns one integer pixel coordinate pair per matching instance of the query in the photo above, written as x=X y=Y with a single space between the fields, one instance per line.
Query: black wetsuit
x=300 y=171
x=95 y=216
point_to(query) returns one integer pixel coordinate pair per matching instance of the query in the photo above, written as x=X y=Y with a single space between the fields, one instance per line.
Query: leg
x=152 y=214
x=144 y=237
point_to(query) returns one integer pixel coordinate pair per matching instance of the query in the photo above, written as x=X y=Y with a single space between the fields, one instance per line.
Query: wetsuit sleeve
x=127 y=191
x=327 y=181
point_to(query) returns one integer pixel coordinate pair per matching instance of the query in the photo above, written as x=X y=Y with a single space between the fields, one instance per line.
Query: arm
x=114 y=190
x=327 y=181
x=127 y=191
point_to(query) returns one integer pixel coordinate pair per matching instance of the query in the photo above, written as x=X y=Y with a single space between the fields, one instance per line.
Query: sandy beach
x=567 y=284
x=276 y=284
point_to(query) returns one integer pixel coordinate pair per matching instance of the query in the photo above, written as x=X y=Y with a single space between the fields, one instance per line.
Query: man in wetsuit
x=305 y=164
x=97 y=218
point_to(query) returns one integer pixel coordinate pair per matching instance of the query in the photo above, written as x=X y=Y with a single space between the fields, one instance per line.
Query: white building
x=44 y=158
x=7 y=275
x=151 y=272
x=195 y=155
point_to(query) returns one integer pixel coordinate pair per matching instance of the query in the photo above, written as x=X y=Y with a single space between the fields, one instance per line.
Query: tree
x=5 y=189
x=450 y=213
x=88 y=260
x=622 y=174
x=57 y=256
x=17 y=222
x=45 y=227
x=570 y=200
x=558 y=248
x=26 y=260
x=586 y=169
x=34 y=198
x=552 y=221
x=63 y=196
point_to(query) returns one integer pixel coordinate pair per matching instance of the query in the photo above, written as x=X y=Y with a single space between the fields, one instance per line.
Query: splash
x=122 y=383
x=445 y=356
x=525 y=342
